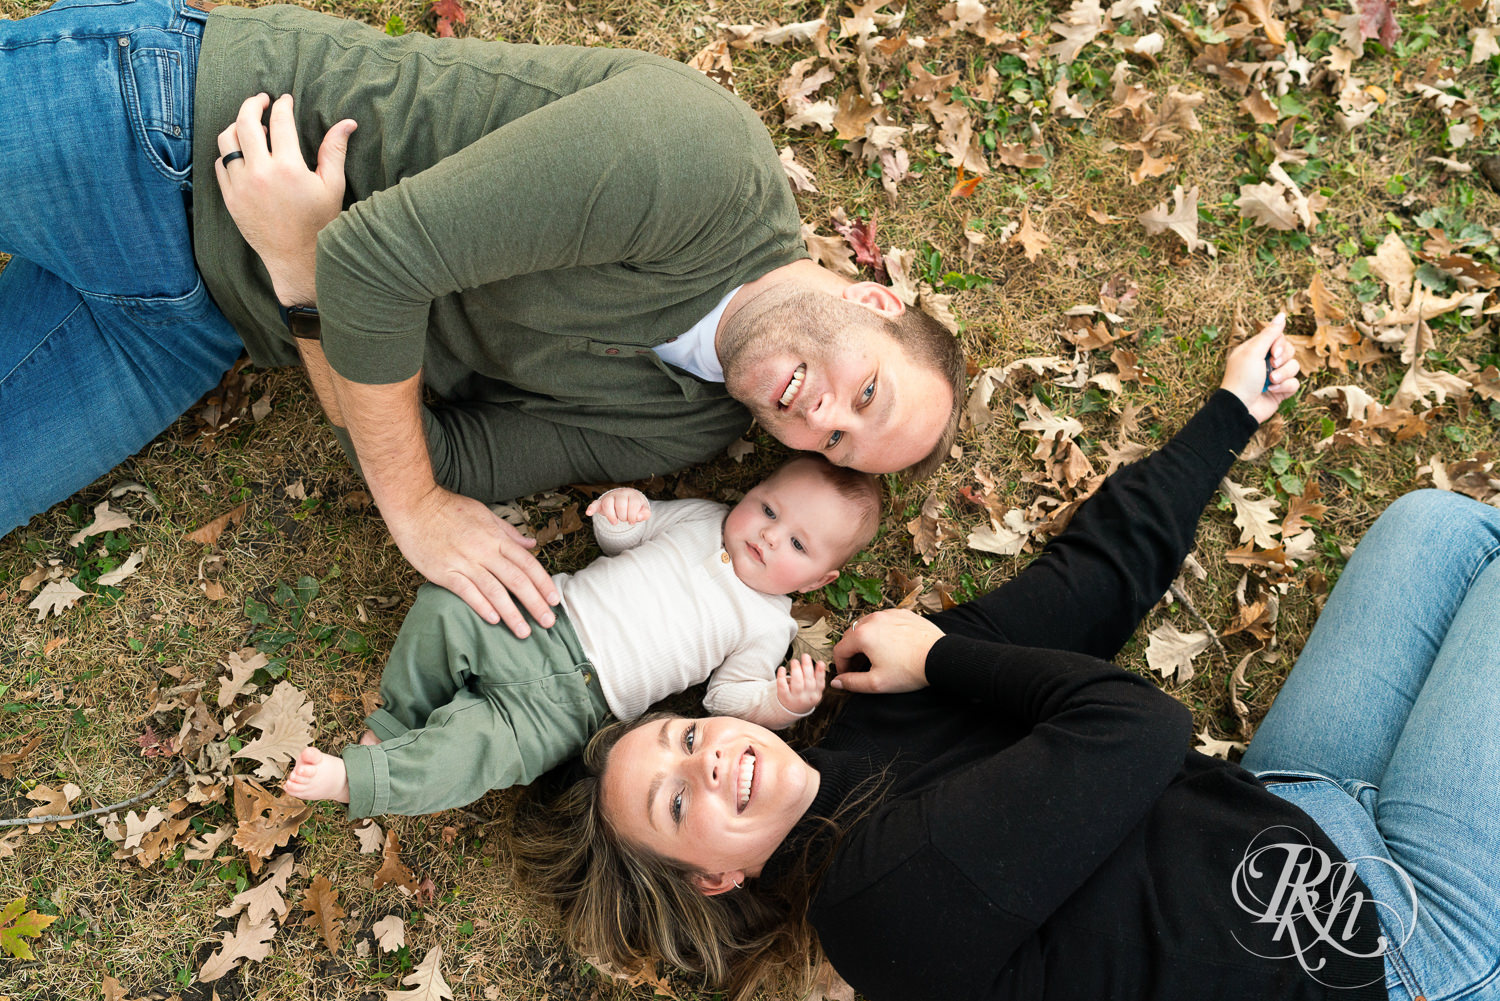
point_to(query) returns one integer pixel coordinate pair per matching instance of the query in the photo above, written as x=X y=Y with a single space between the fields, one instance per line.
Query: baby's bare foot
x=318 y=776
x=368 y=738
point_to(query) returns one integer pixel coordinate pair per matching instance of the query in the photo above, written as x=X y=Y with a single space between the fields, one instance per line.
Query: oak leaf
x=861 y=237
x=1302 y=509
x=11 y=759
x=248 y=943
x=242 y=664
x=55 y=802
x=370 y=836
x=1253 y=513
x=1033 y=241
x=1079 y=26
x=814 y=641
x=1378 y=20
x=113 y=577
x=205 y=846
x=1006 y=536
x=18 y=924
x=1182 y=220
x=924 y=528
x=392 y=869
x=1216 y=748
x=390 y=933
x=831 y=252
x=1392 y=264
x=426 y=981
x=800 y=178
x=1170 y=652
x=1266 y=205
x=209 y=533
x=105 y=520
x=321 y=902
x=285 y=719
x=57 y=597
x=713 y=62
x=265 y=898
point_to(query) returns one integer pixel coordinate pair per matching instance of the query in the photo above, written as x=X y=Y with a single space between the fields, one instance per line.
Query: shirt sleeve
x=1093 y=584
x=745 y=684
x=559 y=187
x=1005 y=841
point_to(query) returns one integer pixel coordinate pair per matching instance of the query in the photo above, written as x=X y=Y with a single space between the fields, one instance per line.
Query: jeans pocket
x=180 y=312
x=157 y=78
x=63 y=5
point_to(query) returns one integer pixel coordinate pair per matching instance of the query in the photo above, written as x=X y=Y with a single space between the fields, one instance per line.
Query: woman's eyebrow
x=651 y=799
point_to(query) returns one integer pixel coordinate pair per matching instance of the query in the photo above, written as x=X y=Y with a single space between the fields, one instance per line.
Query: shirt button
x=611 y=351
x=723 y=557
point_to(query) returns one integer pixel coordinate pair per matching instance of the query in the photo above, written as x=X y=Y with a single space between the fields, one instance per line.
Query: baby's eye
x=834 y=439
x=797 y=545
x=677 y=809
x=766 y=510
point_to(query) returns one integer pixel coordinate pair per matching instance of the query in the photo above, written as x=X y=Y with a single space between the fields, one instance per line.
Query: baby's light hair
x=863 y=490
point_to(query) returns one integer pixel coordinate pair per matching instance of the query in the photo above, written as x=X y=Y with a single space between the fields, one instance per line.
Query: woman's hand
x=895 y=643
x=1262 y=387
x=277 y=203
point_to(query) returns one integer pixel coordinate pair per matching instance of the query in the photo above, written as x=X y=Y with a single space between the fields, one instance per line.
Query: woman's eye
x=834 y=439
x=766 y=510
x=677 y=809
x=797 y=545
x=868 y=394
x=690 y=737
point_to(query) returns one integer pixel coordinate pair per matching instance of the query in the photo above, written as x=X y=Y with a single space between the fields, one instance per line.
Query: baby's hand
x=799 y=685
x=621 y=504
x=1262 y=371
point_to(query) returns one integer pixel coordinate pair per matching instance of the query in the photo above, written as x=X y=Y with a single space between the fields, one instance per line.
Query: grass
x=88 y=681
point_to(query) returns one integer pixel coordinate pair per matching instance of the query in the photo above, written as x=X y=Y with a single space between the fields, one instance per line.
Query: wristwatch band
x=302 y=321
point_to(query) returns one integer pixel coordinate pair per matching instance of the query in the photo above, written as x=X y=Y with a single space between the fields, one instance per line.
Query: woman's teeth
x=747 y=775
x=794 y=386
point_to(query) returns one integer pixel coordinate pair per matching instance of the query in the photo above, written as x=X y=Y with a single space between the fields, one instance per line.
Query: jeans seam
x=38 y=345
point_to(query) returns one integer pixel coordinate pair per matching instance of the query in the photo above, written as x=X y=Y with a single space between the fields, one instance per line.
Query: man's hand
x=277 y=203
x=457 y=543
x=799 y=685
x=895 y=642
x=1261 y=386
x=621 y=504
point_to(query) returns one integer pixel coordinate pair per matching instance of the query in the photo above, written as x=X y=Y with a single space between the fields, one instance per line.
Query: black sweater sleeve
x=932 y=894
x=1093 y=584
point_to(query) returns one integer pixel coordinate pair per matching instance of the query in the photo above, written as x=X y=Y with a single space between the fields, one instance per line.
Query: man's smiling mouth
x=793 y=387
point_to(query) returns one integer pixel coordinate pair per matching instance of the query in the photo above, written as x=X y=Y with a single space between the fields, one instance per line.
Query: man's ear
x=713 y=884
x=876 y=297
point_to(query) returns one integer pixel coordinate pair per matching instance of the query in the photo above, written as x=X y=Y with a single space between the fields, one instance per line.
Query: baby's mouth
x=793 y=387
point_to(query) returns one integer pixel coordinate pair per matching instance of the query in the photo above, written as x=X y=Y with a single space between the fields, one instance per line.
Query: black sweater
x=1043 y=831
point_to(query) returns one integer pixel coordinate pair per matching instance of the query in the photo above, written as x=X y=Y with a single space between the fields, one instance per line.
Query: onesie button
x=723 y=557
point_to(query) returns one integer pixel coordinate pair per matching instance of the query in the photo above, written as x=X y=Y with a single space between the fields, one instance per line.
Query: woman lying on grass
x=1013 y=817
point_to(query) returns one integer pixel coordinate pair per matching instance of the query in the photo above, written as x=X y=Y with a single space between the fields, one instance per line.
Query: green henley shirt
x=522 y=223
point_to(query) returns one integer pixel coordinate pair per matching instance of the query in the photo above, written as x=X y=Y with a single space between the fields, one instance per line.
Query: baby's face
x=791 y=532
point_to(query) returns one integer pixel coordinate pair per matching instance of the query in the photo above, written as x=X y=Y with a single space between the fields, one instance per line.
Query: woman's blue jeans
x=1387 y=733
x=107 y=333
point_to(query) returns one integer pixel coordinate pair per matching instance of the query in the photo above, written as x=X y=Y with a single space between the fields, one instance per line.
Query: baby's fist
x=799 y=685
x=621 y=504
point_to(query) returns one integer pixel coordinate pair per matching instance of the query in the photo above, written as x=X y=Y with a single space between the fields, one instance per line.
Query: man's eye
x=766 y=510
x=677 y=809
x=834 y=439
x=797 y=545
x=690 y=737
x=868 y=394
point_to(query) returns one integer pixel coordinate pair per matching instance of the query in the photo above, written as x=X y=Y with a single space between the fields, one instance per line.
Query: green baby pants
x=470 y=708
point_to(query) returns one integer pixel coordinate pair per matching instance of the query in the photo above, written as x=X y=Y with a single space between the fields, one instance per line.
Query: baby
x=686 y=590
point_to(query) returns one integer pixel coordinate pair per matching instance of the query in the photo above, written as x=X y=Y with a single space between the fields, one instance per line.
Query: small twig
x=97 y=811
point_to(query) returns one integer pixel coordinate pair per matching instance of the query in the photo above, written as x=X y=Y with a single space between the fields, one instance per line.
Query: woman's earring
x=739 y=886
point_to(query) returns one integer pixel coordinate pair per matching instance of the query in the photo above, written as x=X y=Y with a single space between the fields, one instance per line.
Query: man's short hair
x=927 y=341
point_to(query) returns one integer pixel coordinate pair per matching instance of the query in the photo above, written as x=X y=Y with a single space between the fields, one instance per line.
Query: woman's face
x=716 y=794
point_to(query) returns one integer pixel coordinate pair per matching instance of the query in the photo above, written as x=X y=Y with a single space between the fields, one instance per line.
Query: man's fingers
x=333 y=150
x=522 y=588
x=496 y=594
x=284 y=141
x=248 y=131
x=465 y=589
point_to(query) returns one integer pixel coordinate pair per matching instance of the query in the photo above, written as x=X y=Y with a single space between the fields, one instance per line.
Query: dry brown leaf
x=55 y=802
x=1266 y=205
x=1215 y=748
x=832 y=252
x=1182 y=220
x=285 y=719
x=1253 y=513
x=9 y=760
x=57 y=597
x=1006 y=536
x=1033 y=241
x=209 y=534
x=205 y=846
x=370 y=836
x=242 y=664
x=1170 y=652
x=105 y=520
x=389 y=932
x=113 y=577
x=265 y=898
x=814 y=641
x=1274 y=559
x=392 y=869
x=1260 y=108
x=426 y=981
x=266 y=822
x=321 y=902
x=1079 y=26
x=249 y=943
x=713 y=62
x=924 y=528
x=1303 y=509
x=799 y=176
x=1392 y=264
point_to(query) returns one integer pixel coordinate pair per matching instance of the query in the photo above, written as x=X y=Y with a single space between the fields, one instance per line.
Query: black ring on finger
x=231 y=156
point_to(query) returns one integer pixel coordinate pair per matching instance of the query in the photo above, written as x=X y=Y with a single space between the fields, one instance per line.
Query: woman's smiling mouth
x=746 y=780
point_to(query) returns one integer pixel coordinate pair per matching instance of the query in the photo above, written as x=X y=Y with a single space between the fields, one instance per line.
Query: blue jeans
x=1387 y=733
x=107 y=333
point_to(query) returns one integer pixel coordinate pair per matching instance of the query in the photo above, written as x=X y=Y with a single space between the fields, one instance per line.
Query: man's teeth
x=747 y=775
x=793 y=386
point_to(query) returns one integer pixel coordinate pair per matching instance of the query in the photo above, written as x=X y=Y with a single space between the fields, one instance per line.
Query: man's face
x=853 y=395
